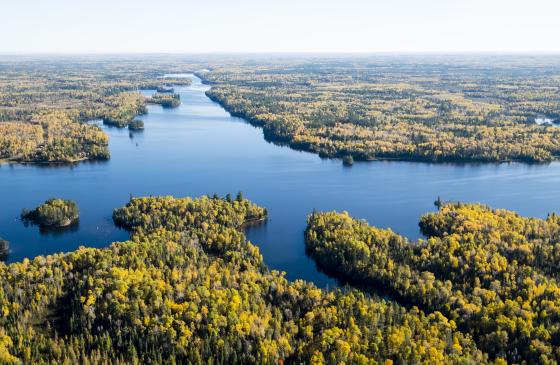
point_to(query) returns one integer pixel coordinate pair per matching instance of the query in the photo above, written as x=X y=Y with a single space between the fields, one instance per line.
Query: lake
x=198 y=148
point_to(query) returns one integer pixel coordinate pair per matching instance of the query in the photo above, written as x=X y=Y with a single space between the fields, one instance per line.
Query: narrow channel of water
x=198 y=148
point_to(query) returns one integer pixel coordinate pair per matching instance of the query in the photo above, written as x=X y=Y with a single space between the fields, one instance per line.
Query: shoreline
x=306 y=147
x=15 y=161
x=18 y=161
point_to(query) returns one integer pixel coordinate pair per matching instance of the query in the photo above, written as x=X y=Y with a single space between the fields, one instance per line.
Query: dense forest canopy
x=189 y=288
x=45 y=104
x=492 y=272
x=406 y=108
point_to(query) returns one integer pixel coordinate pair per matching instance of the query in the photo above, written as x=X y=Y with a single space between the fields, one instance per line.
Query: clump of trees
x=347 y=160
x=189 y=288
x=53 y=213
x=166 y=100
x=136 y=125
x=492 y=272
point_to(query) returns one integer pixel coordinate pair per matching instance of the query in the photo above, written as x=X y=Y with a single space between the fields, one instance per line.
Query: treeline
x=189 y=288
x=421 y=112
x=491 y=272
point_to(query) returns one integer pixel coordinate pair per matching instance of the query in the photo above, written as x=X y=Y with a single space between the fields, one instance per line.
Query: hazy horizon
x=280 y=53
x=287 y=27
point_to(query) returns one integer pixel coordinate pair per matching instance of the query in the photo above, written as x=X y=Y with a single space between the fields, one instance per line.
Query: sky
x=262 y=26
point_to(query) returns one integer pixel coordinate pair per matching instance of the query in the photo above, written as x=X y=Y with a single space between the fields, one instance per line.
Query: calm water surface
x=199 y=149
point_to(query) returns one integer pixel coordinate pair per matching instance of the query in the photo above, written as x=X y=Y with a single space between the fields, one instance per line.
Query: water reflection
x=52 y=230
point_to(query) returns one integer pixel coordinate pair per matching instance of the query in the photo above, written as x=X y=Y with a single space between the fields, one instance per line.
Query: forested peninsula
x=439 y=109
x=45 y=106
x=491 y=272
x=189 y=288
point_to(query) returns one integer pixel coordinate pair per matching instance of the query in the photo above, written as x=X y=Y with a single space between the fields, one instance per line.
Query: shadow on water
x=51 y=230
x=52 y=165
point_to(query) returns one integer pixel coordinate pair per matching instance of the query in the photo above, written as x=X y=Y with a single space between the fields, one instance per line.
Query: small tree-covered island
x=136 y=125
x=55 y=213
x=166 y=100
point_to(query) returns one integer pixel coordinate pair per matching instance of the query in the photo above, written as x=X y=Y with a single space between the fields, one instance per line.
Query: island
x=348 y=160
x=136 y=125
x=166 y=100
x=55 y=213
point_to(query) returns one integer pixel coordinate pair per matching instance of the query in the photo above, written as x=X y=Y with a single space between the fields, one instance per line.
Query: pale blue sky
x=101 y=26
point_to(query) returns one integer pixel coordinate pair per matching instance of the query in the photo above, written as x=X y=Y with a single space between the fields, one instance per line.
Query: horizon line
x=264 y=53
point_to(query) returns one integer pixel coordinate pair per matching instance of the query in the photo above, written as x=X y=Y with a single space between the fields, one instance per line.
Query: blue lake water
x=198 y=148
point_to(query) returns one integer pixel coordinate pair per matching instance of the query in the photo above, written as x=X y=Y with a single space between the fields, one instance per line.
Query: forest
x=46 y=104
x=492 y=272
x=189 y=288
x=445 y=109
x=417 y=109
x=52 y=137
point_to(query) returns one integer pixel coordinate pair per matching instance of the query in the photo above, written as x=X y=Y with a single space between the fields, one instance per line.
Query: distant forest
x=434 y=109
x=45 y=105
